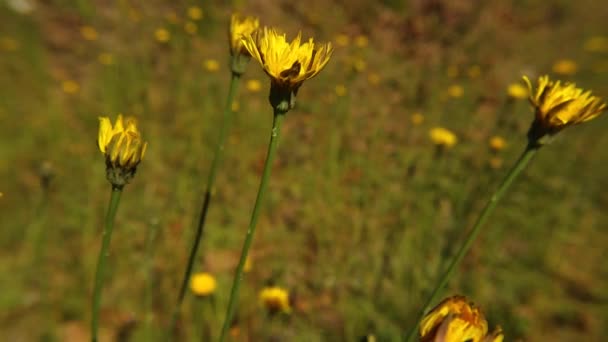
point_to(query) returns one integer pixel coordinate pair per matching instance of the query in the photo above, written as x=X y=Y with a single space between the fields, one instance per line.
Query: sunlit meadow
x=384 y=164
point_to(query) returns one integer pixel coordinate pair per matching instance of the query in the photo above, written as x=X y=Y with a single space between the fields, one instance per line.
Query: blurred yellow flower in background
x=106 y=58
x=287 y=64
x=239 y=28
x=443 y=137
x=565 y=67
x=517 y=91
x=162 y=35
x=253 y=86
x=558 y=105
x=496 y=163
x=190 y=27
x=211 y=65
x=195 y=13
x=340 y=90
x=373 y=78
x=342 y=40
x=88 y=32
x=203 y=284
x=361 y=41
x=359 y=64
x=474 y=71
x=275 y=299
x=122 y=143
x=417 y=119
x=497 y=143
x=70 y=87
x=456 y=320
x=455 y=91
x=596 y=44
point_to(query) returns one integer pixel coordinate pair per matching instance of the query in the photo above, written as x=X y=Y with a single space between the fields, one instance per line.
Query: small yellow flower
x=340 y=90
x=596 y=44
x=253 y=86
x=443 y=137
x=190 y=27
x=455 y=91
x=275 y=299
x=70 y=87
x=195 y=13
x=88 y=33
x=203 y=284
x=361 y=41
x=497 y=143
x=342 y=40
x=558 y=105
x=162 y=35
x=456 y=320
x=121 y=144
x=106 y=58
x=239 y=29
x=211 y=65
x=517 y=91
x=417 y=119
x=565 y=67
x=287 y=64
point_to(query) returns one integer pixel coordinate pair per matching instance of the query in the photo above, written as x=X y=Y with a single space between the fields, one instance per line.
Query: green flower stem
x=209 y=191
x=519 y=166
x=272 y=146
x=101 y=261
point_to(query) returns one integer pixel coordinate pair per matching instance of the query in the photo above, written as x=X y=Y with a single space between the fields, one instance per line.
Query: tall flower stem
x=519 y=166
x=209 y=191
x=101 y=261
x=272 y=146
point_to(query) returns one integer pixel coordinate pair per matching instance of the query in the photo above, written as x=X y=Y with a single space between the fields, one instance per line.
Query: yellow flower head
x=443 y=137
x=162 y=35
x=88 y=32
x=455 y=91
x=239 y=28
x=559 y=105
x=497 y=143
x=517 y=91
x=275 y=299
x=287 y=64
x=253 y=86
x=203 y=284
x=417 y=119
x=195 y=13
x=121 y=144
x=70 y=87
x=565 y=67
x=211 y=65
x=454 y=320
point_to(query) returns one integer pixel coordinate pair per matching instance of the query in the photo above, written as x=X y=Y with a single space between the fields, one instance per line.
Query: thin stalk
x=209 y=191
x=274 y=137
x=101 y=261
x=519 y=166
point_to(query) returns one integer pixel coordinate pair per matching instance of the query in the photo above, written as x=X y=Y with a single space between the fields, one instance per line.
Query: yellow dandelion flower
x=122 y=146
x=474 y=71
x=417 y=119
x=443 y=137
x=195 y=13
x=517 y=91
x=596 y=44
x=203 y=284
x=497 y=143
x=190 y=27
x=455 y=91
x=342 y=40
x=340 y=90
x=89 y=33
x=275 y=299
x=558 y=105
x=106 y=58
x=373 y=78
x=454 y=320
x=565 y=67
x=361 y=41
x=211 y=65
x=70 y=87
x=241 y=27
x=253 y=86
x=287 y=64
x=162 y=35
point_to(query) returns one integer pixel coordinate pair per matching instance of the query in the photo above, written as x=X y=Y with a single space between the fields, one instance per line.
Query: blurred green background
x=363 y=209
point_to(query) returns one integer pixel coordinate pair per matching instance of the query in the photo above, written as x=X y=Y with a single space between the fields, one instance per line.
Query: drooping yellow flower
x=287 y=64
x=565 y=67
x=203 y=284
x=497 y=143
x=454 y=320
x=241 y=27
x=517 y=91
x=122 y=143
x=443 y=137
x=275 y=299
x=558 y=105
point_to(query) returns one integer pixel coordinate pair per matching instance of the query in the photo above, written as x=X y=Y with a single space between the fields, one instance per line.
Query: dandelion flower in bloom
x=211 y=65
x=565 y=67
x=340 y=90
x=275 y=299
x=253 y=86
x=456 y=320
x=443 y=137
x=70 y=87
x=88 y=33
x=497 y=143
x=203 y=284
x=122 y=146
x=455 y=91
x=517 y=91
x=241 y=27
x=162 y=35
x=558 y=105
x=195 y=13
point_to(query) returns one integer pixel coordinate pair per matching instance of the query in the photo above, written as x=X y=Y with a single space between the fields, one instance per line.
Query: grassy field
x=363 y=210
